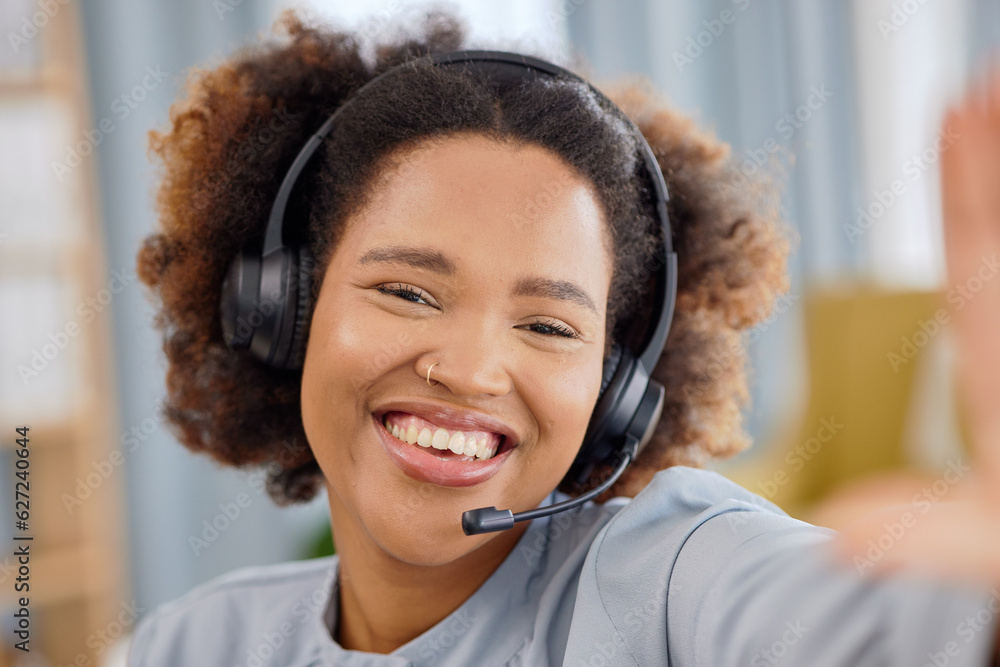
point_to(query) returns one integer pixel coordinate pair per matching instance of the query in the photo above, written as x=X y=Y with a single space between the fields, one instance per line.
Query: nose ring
x=429 y=374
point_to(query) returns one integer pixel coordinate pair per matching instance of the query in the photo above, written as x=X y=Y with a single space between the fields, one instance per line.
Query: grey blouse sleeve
x=698 y=572
x=759 y=589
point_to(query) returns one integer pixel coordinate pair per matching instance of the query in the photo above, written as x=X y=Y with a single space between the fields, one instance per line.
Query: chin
x=427 y=541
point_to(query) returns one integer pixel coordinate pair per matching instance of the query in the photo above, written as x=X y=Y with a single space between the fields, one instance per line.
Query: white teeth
x=440 y=439
x=457 y=442
x=482 y=450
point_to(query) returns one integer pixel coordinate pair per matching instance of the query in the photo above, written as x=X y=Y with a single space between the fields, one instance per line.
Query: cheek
x=339 y=361
x=330 y=363
x=350 y=348
x=565 y=397
x=347 y=352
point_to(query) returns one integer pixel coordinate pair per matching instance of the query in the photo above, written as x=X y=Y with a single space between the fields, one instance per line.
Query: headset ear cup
x=610 y=366
x=303 y=309
x=240 y=287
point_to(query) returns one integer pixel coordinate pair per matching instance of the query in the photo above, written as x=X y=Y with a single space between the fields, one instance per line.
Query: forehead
x=476 y=195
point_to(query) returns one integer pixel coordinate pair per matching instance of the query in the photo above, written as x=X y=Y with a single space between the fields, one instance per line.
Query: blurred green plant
x=322 y=544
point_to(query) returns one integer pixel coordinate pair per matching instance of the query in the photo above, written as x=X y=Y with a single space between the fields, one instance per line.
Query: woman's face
x=492 y=261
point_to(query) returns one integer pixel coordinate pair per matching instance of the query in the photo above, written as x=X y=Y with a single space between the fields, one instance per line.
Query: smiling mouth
x=449 y=445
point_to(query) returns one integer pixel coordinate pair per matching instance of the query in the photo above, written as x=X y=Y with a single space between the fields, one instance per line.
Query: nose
x=471 y=361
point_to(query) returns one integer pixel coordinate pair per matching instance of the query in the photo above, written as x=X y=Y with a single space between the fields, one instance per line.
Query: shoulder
x=627 y=577
x=652 y=529
x=680 y=498
x=676 y=502
x=641 y=538
x=229 y=618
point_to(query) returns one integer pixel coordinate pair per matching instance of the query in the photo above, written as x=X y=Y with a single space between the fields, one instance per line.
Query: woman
x=435 y=213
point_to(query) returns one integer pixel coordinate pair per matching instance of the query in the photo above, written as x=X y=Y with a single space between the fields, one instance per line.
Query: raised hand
x=960 y=540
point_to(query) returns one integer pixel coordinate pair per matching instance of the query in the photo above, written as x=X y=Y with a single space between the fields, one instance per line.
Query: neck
x=386 y=603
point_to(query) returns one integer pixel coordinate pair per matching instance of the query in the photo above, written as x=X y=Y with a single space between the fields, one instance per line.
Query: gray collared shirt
x=694 y=571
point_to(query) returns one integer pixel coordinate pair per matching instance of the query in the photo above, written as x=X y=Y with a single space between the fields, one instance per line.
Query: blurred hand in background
x=960 y=539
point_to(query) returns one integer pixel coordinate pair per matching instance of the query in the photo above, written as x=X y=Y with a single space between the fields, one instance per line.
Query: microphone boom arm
x=490 y=519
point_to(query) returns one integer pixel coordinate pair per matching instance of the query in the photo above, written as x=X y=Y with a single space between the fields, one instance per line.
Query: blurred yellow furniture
x=872 y=357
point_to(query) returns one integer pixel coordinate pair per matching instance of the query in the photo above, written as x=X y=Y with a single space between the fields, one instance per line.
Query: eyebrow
x=436 y=261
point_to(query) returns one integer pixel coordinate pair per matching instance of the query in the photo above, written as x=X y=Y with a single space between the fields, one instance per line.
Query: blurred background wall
x=841 y=100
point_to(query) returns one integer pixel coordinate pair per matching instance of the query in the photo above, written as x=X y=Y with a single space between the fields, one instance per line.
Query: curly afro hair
x=231 y=139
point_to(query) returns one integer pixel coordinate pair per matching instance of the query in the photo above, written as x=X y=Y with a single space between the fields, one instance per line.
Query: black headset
x=266 y=302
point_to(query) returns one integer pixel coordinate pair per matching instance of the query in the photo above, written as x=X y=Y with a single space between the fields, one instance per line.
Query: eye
x=417 y=296
x=547 y=328
x=404 y=292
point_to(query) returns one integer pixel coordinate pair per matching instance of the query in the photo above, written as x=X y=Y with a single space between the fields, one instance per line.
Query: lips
x=436 y=467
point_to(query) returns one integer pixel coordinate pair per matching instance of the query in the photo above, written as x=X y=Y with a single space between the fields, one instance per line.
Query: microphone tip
x=486 y=520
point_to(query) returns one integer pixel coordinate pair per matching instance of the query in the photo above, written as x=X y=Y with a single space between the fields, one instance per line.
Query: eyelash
x=563 y=331
x=403 y=291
